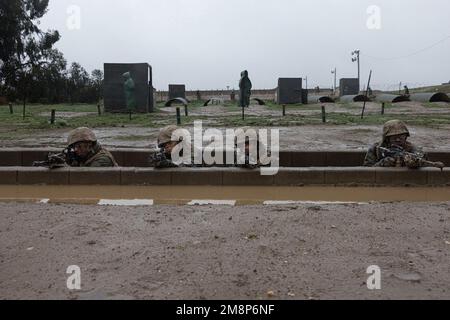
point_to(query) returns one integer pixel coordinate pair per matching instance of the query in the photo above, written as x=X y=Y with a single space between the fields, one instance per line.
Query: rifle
x=411 y=160
x=57 y=160
x=159 y=159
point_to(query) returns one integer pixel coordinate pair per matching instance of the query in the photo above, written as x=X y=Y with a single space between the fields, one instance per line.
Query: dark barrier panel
x=289 y=91
x=114 y=94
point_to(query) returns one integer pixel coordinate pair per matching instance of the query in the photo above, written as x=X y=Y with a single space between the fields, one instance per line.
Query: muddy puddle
x=143 y=196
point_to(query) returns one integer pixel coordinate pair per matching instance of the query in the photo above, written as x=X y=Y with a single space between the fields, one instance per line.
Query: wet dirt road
x=301 y=251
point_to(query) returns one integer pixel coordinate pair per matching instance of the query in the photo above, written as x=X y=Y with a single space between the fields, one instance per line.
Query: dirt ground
x=308 y=137
x=304 y=251
x=305 y=137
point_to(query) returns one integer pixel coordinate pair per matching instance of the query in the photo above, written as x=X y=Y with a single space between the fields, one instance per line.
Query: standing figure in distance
x=245 y=86
x=129 y=87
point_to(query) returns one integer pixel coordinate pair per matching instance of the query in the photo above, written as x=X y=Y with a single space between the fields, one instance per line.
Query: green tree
x=78 y=82
x=97 y=83
x=24 y=49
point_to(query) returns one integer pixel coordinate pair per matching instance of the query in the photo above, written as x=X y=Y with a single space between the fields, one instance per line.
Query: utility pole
x=355 y=58
x=335 y=79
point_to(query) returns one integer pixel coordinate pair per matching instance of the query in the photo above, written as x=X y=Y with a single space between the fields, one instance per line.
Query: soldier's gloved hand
x=412 y=162
x=387 y=162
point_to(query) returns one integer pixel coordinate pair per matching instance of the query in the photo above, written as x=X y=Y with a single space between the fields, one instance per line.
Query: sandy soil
x=214 y=252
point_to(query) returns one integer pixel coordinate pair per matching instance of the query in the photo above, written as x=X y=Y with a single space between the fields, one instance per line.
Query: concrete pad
x=10 y=158
x=95 y=176
x=42 y=176
x=197 y=176
x=401 y=176
x=436 y=177
x=299 y=176
x=309 y=159
x=245 y=177
x=147 y=176
x=126 y=202
x=354 y=175
x=8 y=175
x=345 y=159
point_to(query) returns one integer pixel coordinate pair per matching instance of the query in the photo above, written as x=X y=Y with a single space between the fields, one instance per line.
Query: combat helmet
x=81 y=134
x=394 y=128
x=165 y=135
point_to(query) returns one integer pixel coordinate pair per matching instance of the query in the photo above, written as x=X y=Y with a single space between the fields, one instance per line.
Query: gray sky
x=205 y=44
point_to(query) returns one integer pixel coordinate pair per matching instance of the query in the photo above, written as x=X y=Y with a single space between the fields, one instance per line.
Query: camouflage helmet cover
x=80 y=135
x=165 y=135
x=394 y=128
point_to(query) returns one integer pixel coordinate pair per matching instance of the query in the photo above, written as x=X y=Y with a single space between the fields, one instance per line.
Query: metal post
x=186 y=111
x=11 y=110
x=335 y=80
x=359 y=71
x=357 y=53
x=324 y=115
x=178 y=116
x=24 y=110
x=131 y=113
x=99 y=109
x=243 y=113
x=382 y=109
x=52 y=118
x=284 y=110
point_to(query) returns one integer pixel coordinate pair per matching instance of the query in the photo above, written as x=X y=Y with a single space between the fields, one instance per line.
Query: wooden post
x=99 y=109
x=324 y=115
x=131 y=113
x=11 y=110
x=186 y=112
x=284 y=110
x=24 y=110
x=243 y=113
x=178 y=116
x=52 y=118
x=382 y=109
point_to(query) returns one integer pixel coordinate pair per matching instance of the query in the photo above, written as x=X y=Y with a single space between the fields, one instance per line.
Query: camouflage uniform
x=97 y=157
x=375 y=158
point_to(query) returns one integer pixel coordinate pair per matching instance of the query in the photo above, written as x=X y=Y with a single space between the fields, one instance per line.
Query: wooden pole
x=53 y=116
x=178 y=116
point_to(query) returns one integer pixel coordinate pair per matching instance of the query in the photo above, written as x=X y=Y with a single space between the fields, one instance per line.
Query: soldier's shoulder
x=102 y=161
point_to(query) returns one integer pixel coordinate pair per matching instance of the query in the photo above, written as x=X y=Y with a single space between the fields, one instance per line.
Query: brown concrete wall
x=140 y=157
x=225 y=176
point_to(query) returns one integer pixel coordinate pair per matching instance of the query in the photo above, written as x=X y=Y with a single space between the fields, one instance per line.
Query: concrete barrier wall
x=225 y=176
x=140 y=157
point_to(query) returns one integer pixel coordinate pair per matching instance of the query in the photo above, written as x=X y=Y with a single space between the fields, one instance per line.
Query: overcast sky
x=205 y=44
